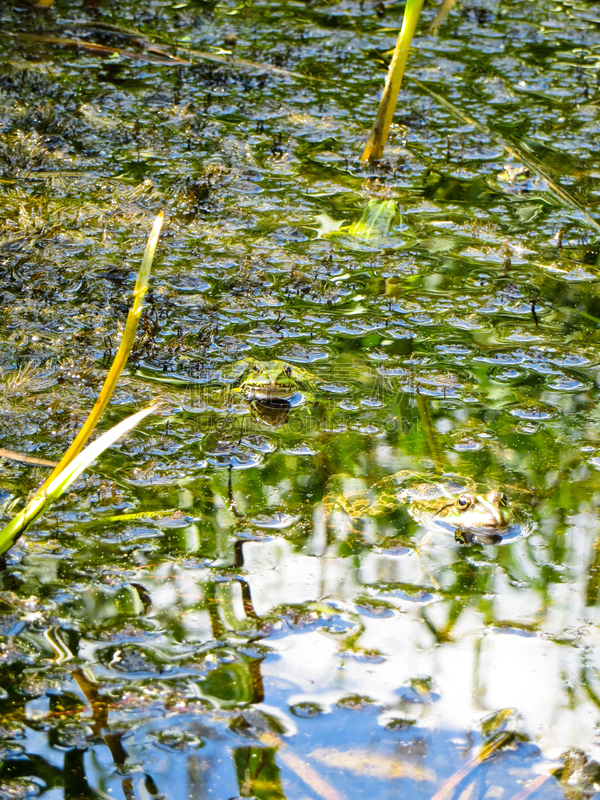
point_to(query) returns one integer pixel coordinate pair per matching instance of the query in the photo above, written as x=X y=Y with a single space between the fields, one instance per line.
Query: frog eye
x=464 y=502
x=256 y=368
x=502 y=499
x=288 y=371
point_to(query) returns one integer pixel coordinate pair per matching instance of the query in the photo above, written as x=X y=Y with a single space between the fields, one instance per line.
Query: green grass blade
x=141 y=287
x=57 y=486
x=381 y=127
x=76 y=459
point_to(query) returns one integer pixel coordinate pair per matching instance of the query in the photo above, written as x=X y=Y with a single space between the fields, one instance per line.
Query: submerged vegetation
x=357 y=551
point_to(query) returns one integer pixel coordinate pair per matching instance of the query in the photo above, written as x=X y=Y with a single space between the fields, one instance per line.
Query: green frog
x=454 y=507
x=272 y=380
x=450 y=505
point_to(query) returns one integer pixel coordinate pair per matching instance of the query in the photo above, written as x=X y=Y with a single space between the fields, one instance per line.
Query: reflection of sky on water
x=383 y=645
x=525 y=659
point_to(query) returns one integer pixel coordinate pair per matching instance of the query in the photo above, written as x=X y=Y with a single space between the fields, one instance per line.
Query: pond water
x=238 y=599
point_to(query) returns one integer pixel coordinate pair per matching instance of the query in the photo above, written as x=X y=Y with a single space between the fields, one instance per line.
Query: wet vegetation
x=266 y=589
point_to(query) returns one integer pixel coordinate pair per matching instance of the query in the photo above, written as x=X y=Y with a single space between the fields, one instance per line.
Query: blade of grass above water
x=74 y=460
x=141 y=287
x=387 y=105
x=56 y=487
x=517 y=152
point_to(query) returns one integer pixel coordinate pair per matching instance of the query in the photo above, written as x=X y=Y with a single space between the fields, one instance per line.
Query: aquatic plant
x=58 y=485
x=21 y=382
x=381 y=127
x=76 y=459
x=376 y=219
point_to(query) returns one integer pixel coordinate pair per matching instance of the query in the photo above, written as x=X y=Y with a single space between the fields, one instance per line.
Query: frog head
x=267 y=380
x=486 y=518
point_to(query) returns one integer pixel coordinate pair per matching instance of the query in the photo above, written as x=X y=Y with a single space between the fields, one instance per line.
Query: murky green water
x=207 y=614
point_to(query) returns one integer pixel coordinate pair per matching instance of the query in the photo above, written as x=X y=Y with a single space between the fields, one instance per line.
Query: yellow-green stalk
x=141 y=287
x=74 y=460
x=381 y=127
x=58 y=485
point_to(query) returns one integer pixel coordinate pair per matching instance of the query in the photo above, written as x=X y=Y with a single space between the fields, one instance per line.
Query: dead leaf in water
x=374 y=765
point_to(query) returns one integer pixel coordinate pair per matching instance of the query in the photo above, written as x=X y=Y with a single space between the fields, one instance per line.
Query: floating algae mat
x=357 y=552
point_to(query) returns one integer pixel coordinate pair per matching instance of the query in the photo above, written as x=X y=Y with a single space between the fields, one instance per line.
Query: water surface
x=196 y=619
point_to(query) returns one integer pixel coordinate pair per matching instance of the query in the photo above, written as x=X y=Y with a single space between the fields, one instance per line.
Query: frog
x=450 y=504
x=273 y=380
x=453 y=506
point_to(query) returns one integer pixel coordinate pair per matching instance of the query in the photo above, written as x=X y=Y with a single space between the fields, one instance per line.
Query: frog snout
x=491 y=503
x=493 y=497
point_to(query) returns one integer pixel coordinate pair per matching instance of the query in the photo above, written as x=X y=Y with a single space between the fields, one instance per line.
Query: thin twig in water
x=164 y=58
x=36 y=462
x=535 y=784
x=230 y=61
x=303 y=770
x=473 y=762
x=107 y=26
x=517 y=152
x=441 y=15
x=154 y=54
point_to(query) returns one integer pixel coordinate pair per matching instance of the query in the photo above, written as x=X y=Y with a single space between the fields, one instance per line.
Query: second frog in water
x=451 y=505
